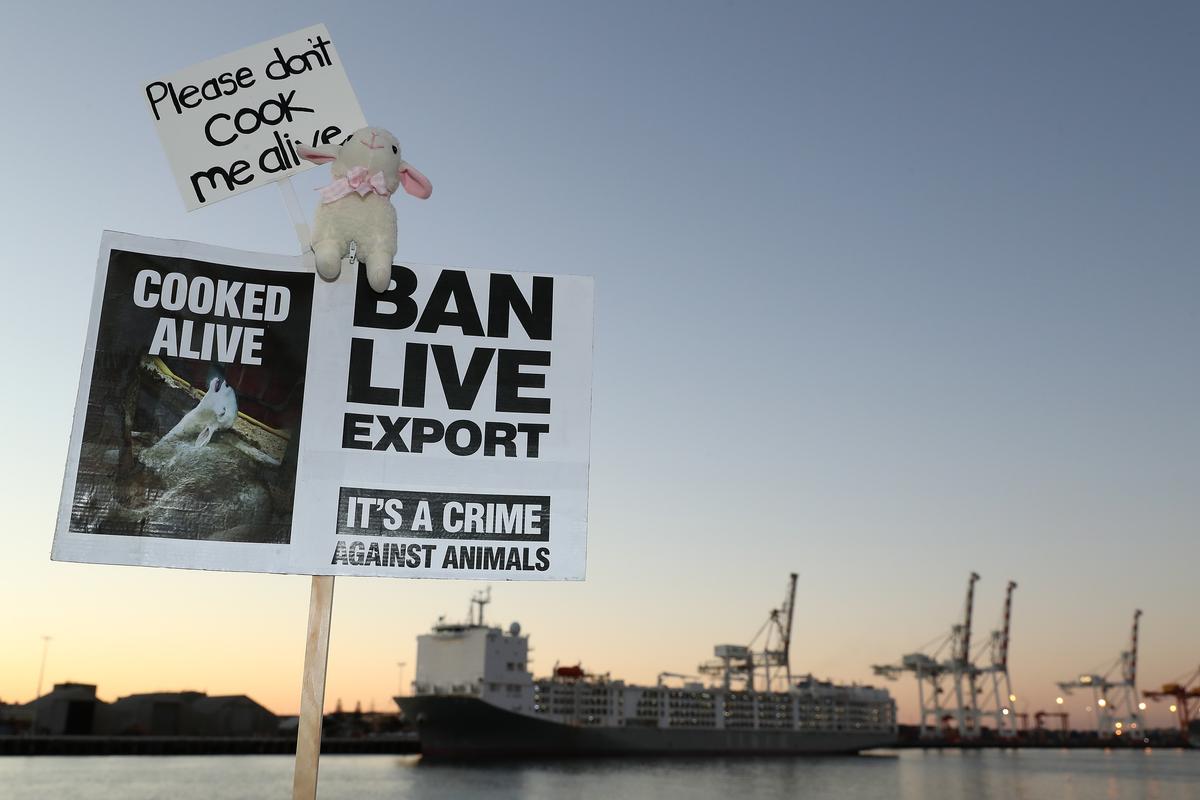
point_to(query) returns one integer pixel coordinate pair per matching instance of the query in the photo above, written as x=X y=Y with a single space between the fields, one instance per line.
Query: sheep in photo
x=207 y=484
x=367 y=170
x=216 y=411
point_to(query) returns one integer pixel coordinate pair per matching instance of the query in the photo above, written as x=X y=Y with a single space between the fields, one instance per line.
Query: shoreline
x=197 y=745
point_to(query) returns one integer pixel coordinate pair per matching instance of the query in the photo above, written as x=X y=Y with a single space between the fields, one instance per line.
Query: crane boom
x=1131 y=668
x=1003 y=661
x=964 y=653
x=790 y=607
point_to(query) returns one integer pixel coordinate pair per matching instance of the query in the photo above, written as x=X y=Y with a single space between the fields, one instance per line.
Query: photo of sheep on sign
x=194 y=406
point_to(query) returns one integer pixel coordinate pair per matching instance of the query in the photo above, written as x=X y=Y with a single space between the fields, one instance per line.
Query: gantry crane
x=932 y=675
x=1000 y=707
x=1040 y=733
x=742 y=663
x=964 y=671
x=775 y=658
x=1185 y=694
x=1063 y=718
x=1117 y=706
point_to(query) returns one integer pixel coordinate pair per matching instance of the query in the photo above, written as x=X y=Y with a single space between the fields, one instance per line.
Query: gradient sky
x=885 y=293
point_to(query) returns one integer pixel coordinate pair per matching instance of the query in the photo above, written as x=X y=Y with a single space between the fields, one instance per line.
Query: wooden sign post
x=312 y=690
x=320 y=608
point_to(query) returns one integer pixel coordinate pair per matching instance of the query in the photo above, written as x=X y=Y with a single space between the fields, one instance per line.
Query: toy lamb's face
x=376 y=150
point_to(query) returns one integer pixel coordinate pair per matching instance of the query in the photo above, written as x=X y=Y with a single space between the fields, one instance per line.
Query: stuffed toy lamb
x=357 y=206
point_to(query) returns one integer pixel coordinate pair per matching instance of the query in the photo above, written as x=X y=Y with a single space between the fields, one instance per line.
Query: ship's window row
x=590 y=704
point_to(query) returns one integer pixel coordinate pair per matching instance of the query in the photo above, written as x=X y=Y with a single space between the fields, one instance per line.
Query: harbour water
x=1160 y=774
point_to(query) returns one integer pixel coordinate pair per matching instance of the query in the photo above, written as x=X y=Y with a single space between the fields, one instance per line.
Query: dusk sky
x=885 y=293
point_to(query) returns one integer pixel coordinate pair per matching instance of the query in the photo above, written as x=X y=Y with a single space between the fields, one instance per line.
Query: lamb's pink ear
x=318 y=155
x=414 y=182
x=206 y=435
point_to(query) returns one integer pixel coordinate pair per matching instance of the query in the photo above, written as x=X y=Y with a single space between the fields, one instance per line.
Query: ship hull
x=466 y=727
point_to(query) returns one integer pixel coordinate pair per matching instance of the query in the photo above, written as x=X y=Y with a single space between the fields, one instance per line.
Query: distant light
x=1174 y=708
x=1141 y=706
x=1004 y=711
x=1102 y=702
x=1118 y=724
x=1133 y=725
x=1118 y=732
x=1085 y=678
x=1058 y=700
x=1012 y=698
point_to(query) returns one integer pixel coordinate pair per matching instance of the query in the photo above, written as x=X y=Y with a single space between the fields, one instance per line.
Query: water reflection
x=907 y=775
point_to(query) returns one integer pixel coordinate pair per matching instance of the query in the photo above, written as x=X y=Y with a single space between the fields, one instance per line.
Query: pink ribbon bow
x=357 y=179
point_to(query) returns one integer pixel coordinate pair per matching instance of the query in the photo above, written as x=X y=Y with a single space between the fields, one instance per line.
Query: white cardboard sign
x=236 y=414
x=232 y=124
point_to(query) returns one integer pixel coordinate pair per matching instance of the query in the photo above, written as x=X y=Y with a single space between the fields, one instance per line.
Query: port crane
x=997 y=670
x=777 y=643
x=933 y=674
x=952 y=666
x=962 y=670
x=1062 y=716
x=1117 y=707
x=742 y=663
x=1184 y=692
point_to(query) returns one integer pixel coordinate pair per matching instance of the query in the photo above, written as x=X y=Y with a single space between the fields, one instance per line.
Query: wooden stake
x=312 y=690
x=320 y=607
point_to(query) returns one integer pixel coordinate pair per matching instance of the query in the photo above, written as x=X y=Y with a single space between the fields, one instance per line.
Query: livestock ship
x=474 y=696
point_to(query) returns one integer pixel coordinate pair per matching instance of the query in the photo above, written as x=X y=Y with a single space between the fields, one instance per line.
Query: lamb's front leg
x=329 y=258
x=379 y=264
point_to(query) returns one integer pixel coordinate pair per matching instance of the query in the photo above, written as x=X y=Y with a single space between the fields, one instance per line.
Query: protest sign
x=233 y=123
x=230 y=418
